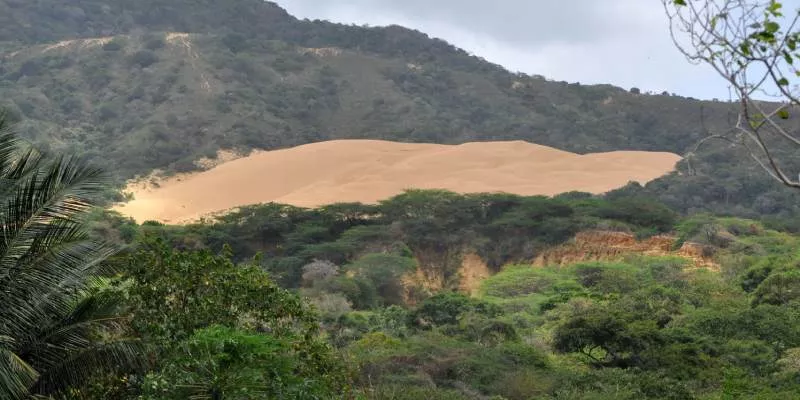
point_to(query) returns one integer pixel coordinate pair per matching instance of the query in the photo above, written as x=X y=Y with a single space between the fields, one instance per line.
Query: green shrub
x=778 y=289
x=219 y=362
x=640 y=212
x=143 y=58
x=519 y=281
x=385 y=272
x=114 y=45
x=446 y=308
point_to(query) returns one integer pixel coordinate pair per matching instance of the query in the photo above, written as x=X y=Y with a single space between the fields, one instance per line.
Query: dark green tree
x=225 y=331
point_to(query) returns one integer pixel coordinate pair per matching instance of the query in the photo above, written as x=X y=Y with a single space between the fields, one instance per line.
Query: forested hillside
x=139 y=85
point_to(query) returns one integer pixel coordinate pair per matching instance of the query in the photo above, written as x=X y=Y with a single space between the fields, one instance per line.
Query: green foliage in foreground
x=225 y=331
x=58 y=324
x=227 y=363
x=640 y=327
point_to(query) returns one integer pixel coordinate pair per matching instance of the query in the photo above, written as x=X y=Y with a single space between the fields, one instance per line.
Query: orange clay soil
x=371 y=170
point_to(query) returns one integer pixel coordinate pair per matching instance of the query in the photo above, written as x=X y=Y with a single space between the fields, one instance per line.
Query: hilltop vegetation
x=135 y=97
x=164 y=100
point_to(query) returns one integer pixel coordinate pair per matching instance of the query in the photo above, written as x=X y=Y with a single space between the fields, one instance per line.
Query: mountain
x=140 y=85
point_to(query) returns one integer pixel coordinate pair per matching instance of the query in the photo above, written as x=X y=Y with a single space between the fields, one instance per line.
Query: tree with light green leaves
x=755 y=46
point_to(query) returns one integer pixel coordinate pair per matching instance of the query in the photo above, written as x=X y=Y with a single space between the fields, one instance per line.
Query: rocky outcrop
x=607 y=245
x=424 y=280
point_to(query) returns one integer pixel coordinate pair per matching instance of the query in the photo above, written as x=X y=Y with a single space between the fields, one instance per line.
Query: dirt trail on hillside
x=371 y=170
x=185 y=40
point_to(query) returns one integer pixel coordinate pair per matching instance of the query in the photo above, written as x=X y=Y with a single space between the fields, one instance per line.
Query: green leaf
x=783 y=82
x=765 y=36
x=745 y=48
x=771 y=27
x=783 y=114
x=679 y=2
x=788 y=57
x=774 y=8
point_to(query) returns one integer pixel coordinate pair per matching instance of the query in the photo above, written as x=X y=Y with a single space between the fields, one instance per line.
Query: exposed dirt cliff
x=606 y=245
x=586 y=246
x=427 y=279
x=472 y=272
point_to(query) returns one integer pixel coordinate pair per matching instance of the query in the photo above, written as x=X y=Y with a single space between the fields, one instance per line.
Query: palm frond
x=16 y=376
x=54 y=331
x=16 y=164
x=50 y=202
x=119 y=355
x=48 y=284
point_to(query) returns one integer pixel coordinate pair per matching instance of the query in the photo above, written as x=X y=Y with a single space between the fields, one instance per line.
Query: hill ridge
x=257 y=78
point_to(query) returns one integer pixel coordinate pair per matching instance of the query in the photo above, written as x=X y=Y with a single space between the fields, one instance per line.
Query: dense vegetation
x=434 y=228
x=358 y=301
x=251 y=76
x=145 y=96
x=175 y=315
x=78 y=323
x=636 y=327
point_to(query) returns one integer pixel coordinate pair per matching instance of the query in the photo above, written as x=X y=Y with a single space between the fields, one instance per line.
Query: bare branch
x=753 y=45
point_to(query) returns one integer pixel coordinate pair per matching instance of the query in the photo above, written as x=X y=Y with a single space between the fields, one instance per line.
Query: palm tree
x=55 y=329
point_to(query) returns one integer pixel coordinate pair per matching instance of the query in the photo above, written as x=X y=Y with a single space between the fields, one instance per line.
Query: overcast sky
x=622 y=42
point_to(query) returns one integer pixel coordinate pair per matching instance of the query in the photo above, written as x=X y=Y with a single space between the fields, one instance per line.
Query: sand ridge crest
x=372 y=170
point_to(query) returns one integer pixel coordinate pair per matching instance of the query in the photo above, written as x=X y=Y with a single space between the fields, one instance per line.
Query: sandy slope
x=371 y=170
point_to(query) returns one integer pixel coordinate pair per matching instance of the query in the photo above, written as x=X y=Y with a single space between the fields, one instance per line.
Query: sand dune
x=370 y=170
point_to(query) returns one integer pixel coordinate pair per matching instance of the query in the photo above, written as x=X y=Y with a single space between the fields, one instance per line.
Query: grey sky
x=622 y=42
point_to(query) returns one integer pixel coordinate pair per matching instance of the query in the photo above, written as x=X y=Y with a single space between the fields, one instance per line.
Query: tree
x=319 y=270
x=56 y=325
x=447 y=308
x=231 y=364
x=385 y=272
x=596 y=332
x=778 y=289
x=173 y=293
x=753 y=45
x=222 y=330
